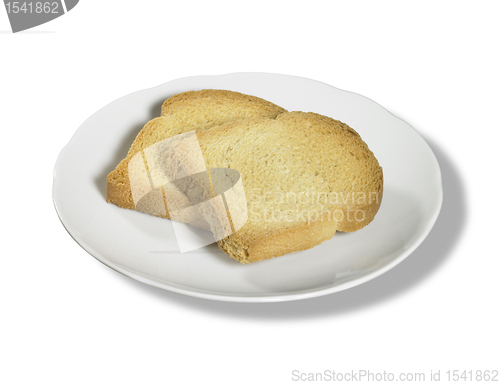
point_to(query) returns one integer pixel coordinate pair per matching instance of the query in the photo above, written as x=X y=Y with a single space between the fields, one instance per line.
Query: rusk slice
x=193 y=110
x=305 y=177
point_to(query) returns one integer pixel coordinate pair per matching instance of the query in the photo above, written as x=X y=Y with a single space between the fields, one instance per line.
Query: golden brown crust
x=279 y=242
x=369 y=210
x=119 y=192
x=118 y=186
x=177 y=103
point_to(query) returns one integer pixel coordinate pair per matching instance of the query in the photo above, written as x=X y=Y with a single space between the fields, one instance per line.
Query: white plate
x=144 y=247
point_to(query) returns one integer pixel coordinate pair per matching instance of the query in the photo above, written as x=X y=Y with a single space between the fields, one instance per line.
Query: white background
x=67 y=319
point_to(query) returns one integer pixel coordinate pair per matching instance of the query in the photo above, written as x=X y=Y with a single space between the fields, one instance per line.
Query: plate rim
x=255 y=298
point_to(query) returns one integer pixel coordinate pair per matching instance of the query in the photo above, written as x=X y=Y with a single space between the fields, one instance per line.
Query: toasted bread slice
x=193 y=110
x=305 y=177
